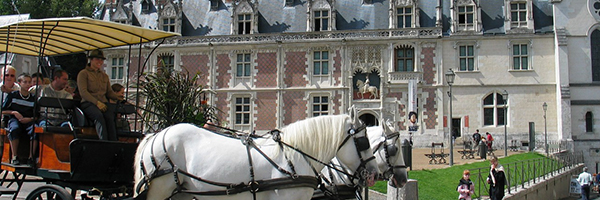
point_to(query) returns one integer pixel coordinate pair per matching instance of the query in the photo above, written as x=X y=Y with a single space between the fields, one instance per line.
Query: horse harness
x=348 y=190
x=292 y=179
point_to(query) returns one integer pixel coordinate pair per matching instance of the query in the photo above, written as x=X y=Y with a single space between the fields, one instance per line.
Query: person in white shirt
x=585 y=179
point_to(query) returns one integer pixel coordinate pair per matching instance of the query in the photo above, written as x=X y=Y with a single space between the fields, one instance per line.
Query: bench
x=467 y=152
x=437 y=156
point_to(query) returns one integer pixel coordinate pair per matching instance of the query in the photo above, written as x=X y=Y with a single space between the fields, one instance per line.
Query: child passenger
x=19 y=105
x=466 y=188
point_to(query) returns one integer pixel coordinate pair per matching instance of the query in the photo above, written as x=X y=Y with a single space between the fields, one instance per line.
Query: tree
x=39 y=9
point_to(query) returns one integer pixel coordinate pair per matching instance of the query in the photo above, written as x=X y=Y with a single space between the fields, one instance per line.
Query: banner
x=413 y=116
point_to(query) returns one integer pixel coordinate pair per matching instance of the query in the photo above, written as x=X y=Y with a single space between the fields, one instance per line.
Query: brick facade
x=267 y=70
x=295 y=69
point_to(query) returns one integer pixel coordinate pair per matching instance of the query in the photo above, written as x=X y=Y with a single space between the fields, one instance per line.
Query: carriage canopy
x=59 y=36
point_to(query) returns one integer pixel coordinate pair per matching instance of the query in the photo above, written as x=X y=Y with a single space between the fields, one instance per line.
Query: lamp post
x=450 y=79
x=505 y=98
x=545 y=107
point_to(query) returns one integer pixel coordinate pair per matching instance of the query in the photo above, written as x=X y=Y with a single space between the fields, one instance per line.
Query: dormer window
x=169 y=24
x=368 y=2
x=406 y=14
x=518 y=16
x=244 y=18
x=465 y=16
x=244 y=24
x=321 y=20
x=214 y=5
x=145 y=6
x=321 y=16
x=289 y=3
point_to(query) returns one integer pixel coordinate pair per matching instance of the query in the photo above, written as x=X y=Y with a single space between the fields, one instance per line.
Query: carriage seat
x=80 y=120
x=68 y=105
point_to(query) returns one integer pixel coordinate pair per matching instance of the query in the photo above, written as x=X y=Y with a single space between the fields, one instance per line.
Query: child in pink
x=466 y=188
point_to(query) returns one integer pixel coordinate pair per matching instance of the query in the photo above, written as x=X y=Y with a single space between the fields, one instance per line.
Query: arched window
x=595 y=46
x=589 y=122
x=493 y=110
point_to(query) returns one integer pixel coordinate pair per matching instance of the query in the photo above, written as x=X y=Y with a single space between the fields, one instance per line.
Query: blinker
x=392 y=150
x=362 y=143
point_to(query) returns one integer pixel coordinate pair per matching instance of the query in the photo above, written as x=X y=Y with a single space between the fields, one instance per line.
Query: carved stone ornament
x=594 y=8
x=321 y=4
x=169 y=11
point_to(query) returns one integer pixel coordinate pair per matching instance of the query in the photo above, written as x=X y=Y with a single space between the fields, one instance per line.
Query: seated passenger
x=72 y=89
x=94 y=88
x=8 y=80
x=19 y=105
x=37 y=81
x=122 y=123
x=55 y=116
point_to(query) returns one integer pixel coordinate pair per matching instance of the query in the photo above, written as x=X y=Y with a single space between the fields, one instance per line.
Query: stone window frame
x=475 y=56
x=414 y=57
x=170 y=13
x=214 y=5
x=233 y=112
x=412 y=4
x=159 y=59
x=522 y=27
x=246 y=65
x=465 y=27
x=145 y=6
x=242 y=81
x=496 y=106
x=526 y=43
x=311 y=102
x=243 y=8
x=320 y=78
x=114 y=66
x=321 y=5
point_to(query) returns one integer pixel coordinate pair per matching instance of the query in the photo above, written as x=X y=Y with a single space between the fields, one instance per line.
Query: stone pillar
x=410 y=191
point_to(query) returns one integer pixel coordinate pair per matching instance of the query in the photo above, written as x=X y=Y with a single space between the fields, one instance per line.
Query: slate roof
x=275 y=17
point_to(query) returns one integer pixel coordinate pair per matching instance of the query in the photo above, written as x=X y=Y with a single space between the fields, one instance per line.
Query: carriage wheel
x=50 y=192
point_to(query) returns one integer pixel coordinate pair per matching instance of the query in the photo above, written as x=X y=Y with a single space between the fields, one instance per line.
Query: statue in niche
x=366 y=87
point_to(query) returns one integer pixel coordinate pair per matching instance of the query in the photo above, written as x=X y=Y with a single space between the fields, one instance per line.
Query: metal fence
x=526 y=172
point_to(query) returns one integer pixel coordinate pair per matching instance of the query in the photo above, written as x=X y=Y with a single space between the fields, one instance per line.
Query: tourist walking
x=496 y=179
x=585 y=179
x=466 y=188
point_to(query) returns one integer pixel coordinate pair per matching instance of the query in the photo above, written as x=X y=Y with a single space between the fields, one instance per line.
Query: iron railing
x=526 y=172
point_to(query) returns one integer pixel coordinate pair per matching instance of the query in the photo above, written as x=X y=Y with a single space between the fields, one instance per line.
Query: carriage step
x=23 y=166
x=5 y=190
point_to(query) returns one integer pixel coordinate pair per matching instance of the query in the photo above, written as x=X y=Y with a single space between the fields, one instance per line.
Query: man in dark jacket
x=496 y=179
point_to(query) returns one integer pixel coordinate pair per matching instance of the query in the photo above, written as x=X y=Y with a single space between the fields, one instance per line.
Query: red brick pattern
x=223 y=66
x=196 y=64
x=294 y=106
x=430 y=109
x=266 y=104
x=267 y=70
x=337 y=68
x=133 y=67
x=223 y=105
x=428 y=65
x=295 y=69
x=336 y=104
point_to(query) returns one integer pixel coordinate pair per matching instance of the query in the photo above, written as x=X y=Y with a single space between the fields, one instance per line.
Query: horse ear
x=353 y=114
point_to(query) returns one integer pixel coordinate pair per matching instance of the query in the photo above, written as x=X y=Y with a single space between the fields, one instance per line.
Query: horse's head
x=356 y=147
x=388 y=152
x=359 y=83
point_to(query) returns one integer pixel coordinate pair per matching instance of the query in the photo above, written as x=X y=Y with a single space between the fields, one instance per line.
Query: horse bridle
x=389 y=151
x=361 y=144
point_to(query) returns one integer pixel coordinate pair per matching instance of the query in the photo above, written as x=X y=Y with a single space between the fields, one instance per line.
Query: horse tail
x=137 y=166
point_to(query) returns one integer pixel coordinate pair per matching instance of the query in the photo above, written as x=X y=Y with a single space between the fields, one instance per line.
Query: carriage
x=72 y=157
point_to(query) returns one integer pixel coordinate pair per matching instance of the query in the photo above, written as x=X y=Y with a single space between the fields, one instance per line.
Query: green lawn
x=441 y=184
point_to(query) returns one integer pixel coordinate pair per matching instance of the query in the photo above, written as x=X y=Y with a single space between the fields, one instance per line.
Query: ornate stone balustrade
x=403 y=77
x=296 y=37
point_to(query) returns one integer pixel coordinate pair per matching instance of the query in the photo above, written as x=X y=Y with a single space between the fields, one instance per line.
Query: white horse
x=386 y=145
x=185 y=162
x=365 y=87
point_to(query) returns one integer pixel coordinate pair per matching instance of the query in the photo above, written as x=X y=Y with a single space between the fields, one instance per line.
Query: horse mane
x=313 y=134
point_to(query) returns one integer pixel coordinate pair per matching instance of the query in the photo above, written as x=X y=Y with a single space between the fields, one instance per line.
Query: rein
x=291 y=181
